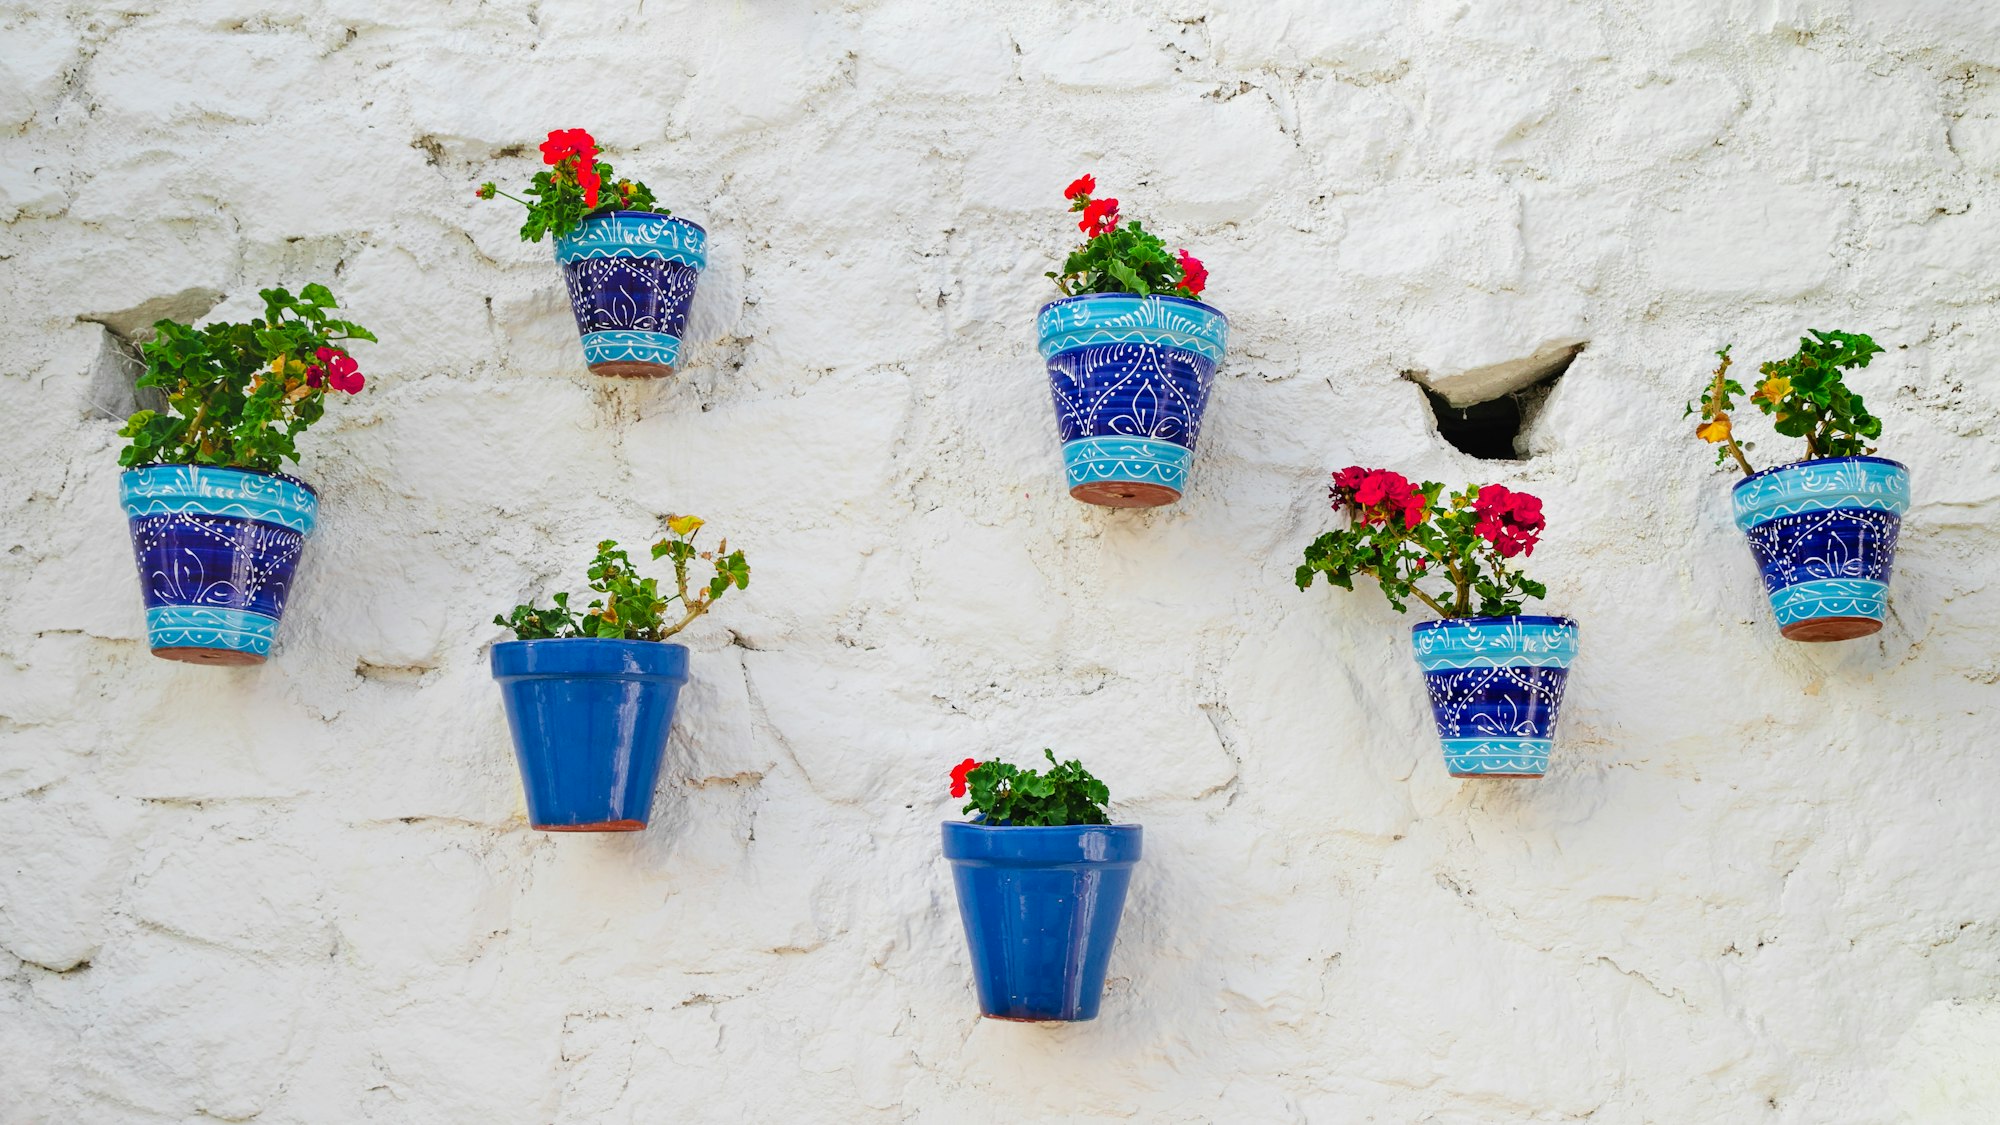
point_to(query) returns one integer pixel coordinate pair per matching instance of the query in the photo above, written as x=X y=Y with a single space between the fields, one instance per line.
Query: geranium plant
x=633 y=608
x=573 y=188
x=1119 y=255
x=1006 y=795
x=1452 y=553
x=239 y=395
x=1805 y=396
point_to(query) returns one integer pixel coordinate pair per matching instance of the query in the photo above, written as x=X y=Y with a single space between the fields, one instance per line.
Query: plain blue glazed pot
x=631 y=277
x=1496 y=688
x=1041 y=909
x=1824 y=534
x=590 y=720
x=217 y=549
x=1130 y=377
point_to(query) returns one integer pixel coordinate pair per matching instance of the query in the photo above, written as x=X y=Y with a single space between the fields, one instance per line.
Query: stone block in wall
x=1094 y=52
x=1450 y=236
x=169 y=1034
x=952 y=51
x=1747 y=237
x=1358 y=39
x=56 y=903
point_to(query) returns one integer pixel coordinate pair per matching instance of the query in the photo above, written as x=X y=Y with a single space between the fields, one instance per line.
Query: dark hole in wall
x=1495 y=426
x=1485 y=430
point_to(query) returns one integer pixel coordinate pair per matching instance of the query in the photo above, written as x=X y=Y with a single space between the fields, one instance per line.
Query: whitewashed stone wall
x=1760 y=884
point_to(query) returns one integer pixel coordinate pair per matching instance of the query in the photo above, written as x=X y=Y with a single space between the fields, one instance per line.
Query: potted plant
x=1041 y=875
x=216 y=527
x=1495 y=675
x=630 y=265
x=1823 y=528
x=590 y=696
x=1131 y=356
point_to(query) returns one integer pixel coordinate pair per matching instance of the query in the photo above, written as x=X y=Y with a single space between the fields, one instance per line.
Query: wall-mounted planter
x=631 y=277
x=590 y=721
x=1041 y=909
x=1130 y=377
x=1496 y=688
x=216 y=550
x=1824 y=534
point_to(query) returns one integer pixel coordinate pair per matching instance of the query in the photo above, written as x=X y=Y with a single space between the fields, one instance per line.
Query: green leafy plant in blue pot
x=1495 y=675
x=217 y=527
x=590 y=692
x=1041 y=876
x=1131 y=352
x=630 y=265
x=1823 y=528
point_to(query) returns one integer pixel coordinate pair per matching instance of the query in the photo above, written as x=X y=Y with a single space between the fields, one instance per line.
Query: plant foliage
x=633 y=608
x=1121 y=256
x=1805 y=395
x=239 y=395
x=571 y=189
x=1409 y=536
x=1009 y=796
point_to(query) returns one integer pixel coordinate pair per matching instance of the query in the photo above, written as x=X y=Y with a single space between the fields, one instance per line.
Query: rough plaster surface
x=1760 y=884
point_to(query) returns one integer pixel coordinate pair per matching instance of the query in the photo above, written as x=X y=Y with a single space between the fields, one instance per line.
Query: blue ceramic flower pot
x=590 y=720
x=1041 y=909
x=216 y=549
x=1824 y=533
x=631 y=277
x=1130 y=376
x=1496 y=687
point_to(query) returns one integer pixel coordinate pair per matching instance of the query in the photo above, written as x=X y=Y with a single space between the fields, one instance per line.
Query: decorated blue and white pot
x=1824 y=534
x=1496 y=688
x=217 y=549
x=631 y=277
x=1130 y=377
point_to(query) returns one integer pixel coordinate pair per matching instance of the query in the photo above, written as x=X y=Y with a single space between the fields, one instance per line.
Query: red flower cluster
x=1511 y=521
x=336 y=369
x=958 y=773
x=1378 y=495
x=566 y=143
x=1194 y=275
x=1100 y=216
x=1081 y=187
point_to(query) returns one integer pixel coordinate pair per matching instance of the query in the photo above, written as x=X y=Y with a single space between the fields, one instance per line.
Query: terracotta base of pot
x=1124 y=494
x=601 y=826
x=1023 y=1019
x=630 y=369
x=223 y=657
x=1831 y=629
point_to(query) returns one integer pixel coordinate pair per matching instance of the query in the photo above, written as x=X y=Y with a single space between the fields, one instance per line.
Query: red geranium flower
x=336 y=369
x=1511 y=521
x=565 y=143
x=1376 y=495
x=958 y=773
x=1194 y=275
x=1081 y=186
x=1100 y=216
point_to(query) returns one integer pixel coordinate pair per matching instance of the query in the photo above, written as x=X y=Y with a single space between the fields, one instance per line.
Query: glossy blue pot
x=1130 y=377
x=631 y=277
x=590 y=720
x=1496 y=689
x=1824 y=534
x=1041 y=909
x=217 y=550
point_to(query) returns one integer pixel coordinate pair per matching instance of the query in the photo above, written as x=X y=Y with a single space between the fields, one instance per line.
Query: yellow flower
x=1773 y=389
x=684 y=525
x=1716 y=430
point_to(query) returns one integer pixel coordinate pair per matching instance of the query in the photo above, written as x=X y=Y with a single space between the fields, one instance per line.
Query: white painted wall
x=1760 y=884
